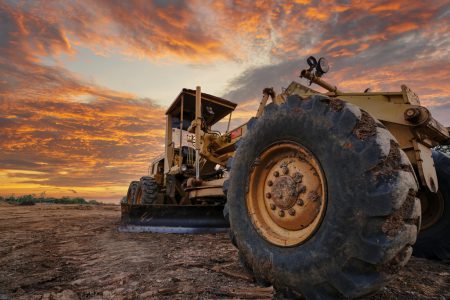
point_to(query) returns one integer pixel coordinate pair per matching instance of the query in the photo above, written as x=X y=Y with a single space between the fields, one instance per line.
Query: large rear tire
x=132 y=190
x=341 y=215
x=434 y=238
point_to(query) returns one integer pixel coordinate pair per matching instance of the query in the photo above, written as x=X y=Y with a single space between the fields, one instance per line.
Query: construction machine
x=324 y=193
x=183 y=192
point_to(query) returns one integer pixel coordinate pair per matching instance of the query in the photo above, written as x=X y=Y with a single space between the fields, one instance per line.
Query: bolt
x=298 y=177
x=300 y=202
x=281 y=213
x=291 y=211
x=285 y=170
x=302 y=189
x=268 y=195
x=412 y=114
x=269 y=183
x=276 y=174
x=272 y=206
x=313 y=196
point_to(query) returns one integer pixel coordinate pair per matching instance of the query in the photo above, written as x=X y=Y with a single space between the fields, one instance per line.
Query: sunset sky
x=84 y=84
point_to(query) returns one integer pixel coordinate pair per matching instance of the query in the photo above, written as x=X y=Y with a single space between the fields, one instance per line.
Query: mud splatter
x=366 y=126
x=396 y=221
x=336 y=104
x=394 y=265
x=391 y=163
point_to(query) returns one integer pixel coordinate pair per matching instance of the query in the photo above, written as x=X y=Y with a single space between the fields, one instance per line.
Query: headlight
x=323 y=66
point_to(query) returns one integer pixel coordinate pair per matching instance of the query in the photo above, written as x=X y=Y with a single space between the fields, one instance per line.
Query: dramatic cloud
x=376 y=45
x=62 y=133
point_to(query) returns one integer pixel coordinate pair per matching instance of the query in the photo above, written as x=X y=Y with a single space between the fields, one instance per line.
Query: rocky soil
x=76 y=252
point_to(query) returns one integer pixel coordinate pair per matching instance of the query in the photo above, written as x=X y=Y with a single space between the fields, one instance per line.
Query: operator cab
x=180 y=143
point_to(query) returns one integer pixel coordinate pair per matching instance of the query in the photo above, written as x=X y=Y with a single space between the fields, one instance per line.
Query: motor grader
x=324 y=193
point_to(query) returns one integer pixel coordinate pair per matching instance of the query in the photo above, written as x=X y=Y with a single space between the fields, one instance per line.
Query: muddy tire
x=226 y=183
x=132 y=190
x=226 y=210
x=148 y=190
x=434 y=238
x=370 y=214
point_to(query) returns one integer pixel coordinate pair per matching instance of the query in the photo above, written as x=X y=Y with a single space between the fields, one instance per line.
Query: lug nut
x=302 y=189
x=291 y=211
x=276 y=174
x=285 y=170
x=269 y=183
x=272 y=206
x=300 y=202
x=268 y=195
x=298 y=177
x=281 y=213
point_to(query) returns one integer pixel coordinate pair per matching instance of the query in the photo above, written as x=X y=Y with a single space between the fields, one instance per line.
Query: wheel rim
x=286 y=199
x=432 y=205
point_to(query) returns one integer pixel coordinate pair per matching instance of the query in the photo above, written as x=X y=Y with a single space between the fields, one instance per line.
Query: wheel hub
x=284 y=192
x=287 y=196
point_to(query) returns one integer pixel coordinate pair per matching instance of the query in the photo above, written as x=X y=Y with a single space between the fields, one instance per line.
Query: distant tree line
x=33 y=199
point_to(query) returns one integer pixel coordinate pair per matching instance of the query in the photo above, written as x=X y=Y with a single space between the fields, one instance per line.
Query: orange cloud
x=316 y=14
x=401 y=28
x=390 y=6
x=103 y=144
x=50 y=141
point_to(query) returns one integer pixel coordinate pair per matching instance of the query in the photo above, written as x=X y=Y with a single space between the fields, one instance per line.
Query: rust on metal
x=283 y=218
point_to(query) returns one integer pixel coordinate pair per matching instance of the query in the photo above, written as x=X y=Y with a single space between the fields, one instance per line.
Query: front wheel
x=147 y=192
x=322 y=199
x=132 y=192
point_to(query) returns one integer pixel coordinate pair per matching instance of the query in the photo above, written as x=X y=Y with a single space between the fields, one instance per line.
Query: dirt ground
x=76 y=252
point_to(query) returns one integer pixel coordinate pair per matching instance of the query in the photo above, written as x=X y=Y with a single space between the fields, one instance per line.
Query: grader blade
x=173 y=218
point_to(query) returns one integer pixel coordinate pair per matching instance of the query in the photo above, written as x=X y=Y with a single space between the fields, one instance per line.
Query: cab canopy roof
x=219 y=106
